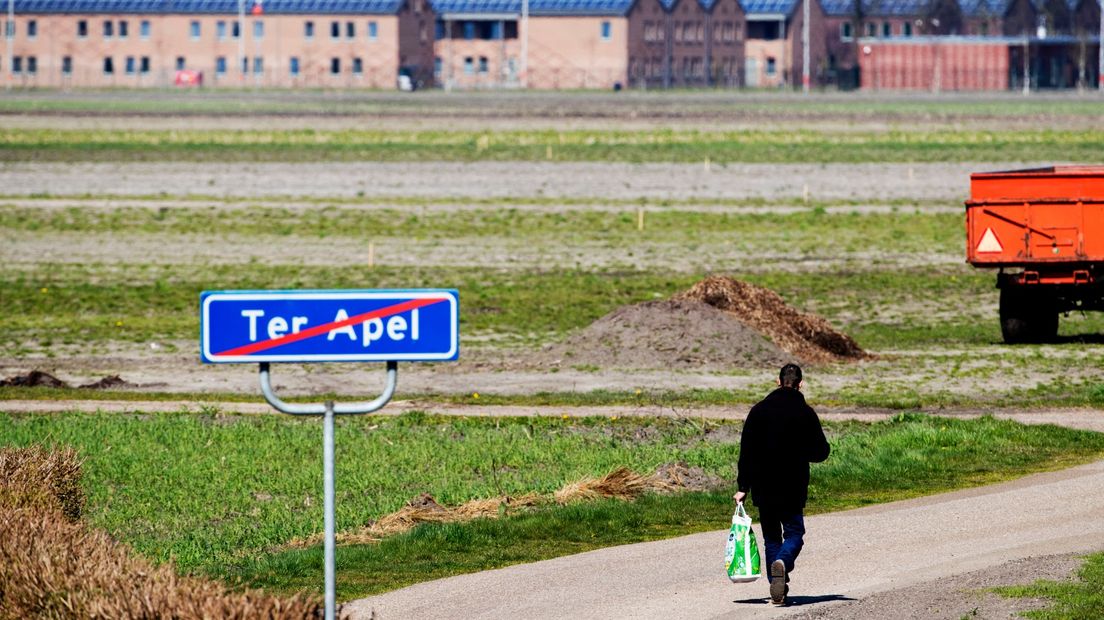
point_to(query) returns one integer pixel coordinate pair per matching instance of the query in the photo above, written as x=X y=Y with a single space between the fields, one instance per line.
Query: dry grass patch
x=621 y=483
x=53 y=566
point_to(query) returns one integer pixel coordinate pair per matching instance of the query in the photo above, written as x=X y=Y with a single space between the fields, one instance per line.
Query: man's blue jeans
x=783 y=533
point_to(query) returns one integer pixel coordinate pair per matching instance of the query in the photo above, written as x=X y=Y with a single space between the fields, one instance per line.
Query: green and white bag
x=741 y=551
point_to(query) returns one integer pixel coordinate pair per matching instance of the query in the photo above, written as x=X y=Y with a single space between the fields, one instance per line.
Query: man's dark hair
x=790 y=376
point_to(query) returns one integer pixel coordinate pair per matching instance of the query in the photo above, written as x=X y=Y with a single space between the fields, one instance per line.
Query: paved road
x=848 y=555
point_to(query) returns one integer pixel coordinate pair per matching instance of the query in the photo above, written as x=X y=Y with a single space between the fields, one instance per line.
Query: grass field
x=217 y=494
x=659 y=145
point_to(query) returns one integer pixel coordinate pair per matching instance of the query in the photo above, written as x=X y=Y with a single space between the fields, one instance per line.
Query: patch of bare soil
x=685 y=478
x=806 y=336
x=963 y=596
x=665 y=334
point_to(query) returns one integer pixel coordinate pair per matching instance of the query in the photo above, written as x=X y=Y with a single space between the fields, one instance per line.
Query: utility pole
x=805 y=48
x=9 y=33
x=524 y=43
x=1100 y=51
x=241 y=40
x=1026 y=66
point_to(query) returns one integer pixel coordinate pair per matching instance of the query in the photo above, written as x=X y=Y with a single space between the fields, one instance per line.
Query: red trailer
x=1043 y=229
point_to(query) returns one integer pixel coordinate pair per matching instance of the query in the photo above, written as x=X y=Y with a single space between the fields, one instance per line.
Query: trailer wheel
x=1027 y=318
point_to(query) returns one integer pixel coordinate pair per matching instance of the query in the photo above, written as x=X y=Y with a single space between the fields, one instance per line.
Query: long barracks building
x=873 y=44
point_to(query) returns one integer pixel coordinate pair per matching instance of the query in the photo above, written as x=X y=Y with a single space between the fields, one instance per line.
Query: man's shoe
x=778 y=587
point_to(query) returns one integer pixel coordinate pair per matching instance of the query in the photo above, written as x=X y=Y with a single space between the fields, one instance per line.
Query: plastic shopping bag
x=741 y=551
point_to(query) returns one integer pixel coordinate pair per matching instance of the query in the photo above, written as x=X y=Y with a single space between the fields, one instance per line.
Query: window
x=82 y=28
x=358 y=66
x=235 y=30
x=193 y=30
x=678 y=33
x=469 y=65
x=469 y=30
x=220 y=66
x=771 y=68
x=258 y=65
x=984 y=29
x=438 y=29
x=906 y=29
x=606 y=30
x=66 y=65
x=308 y=30
x=144 y=29
x=124 y=28
x=144 y=65
x=109 y=66
x=180 y=64
x=129 y=65
x=258 y=29
x=350 y=30
x=220 y=30
x=871 y=29
x=335 y=65
x=9 y=30
x=845 y=31
x=293 y=66
x=649 y=31
x=32 y=64
x=373 y=31
x=437 y=66
x=335 y=30
x=245 y=65
x=17 y=64
x=32 y=28
x=887 y=29
x=482 y=65
x=108 y=29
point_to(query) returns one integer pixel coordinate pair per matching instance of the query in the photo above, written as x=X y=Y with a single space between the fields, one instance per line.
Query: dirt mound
x=110 y=382
x=38 y=378
x=665 y=334
x=35 y=378
x=806 y=336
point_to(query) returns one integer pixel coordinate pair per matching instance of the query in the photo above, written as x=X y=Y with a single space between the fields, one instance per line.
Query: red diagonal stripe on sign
x=264 y=345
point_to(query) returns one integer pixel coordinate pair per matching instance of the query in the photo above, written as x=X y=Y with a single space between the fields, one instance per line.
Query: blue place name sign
x=417 y=325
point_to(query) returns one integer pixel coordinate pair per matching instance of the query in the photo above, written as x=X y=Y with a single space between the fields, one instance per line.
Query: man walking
x=781 y=436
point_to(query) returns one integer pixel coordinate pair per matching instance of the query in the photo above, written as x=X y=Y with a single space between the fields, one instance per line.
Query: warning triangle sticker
x=989 y=242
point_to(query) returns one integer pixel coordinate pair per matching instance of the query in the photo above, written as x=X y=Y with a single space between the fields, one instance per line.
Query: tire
x=1027 y=317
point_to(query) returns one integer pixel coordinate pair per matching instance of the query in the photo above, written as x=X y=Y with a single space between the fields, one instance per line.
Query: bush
x=53 y=566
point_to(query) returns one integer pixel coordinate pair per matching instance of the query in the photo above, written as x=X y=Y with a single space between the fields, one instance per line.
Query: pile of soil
x=806 y=336
x=677 y=333
x=38 y=378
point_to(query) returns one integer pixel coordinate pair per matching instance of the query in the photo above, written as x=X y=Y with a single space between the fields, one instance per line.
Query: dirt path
x=1086 y=419
x=849 y=555
x=877 y=182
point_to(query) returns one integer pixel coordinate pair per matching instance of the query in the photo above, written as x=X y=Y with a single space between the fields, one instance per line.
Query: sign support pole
x=328 y=492
x=327 y=411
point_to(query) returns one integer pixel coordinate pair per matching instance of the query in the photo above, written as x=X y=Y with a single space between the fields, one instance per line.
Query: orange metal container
x=1049 y=221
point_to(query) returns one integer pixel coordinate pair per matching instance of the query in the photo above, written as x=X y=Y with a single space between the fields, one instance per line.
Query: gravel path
x=851 y=555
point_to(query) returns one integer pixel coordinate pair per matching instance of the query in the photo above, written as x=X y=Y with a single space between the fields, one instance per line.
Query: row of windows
x=872 y=30
x=32 y=29
x=141 y=65
x=115 y=29
x=195 y=30
x=691 y=32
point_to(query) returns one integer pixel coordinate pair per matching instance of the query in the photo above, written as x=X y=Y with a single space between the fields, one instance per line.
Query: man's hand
x=739 y=497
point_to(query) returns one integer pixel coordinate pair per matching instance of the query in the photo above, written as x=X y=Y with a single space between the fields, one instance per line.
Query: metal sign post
x=329 y=326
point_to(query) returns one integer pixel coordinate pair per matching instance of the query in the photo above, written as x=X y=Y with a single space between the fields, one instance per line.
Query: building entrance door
x=751 y=72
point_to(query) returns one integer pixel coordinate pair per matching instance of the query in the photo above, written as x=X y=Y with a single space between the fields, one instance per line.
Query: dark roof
x=902 y=8
x=772 y=7
x=220 y=7
x=536 y=7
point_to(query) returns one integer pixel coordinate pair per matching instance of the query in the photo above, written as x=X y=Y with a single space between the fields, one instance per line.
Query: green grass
x=660 y=145
x=677 y=103
x=218 y=493
x=1080 y=599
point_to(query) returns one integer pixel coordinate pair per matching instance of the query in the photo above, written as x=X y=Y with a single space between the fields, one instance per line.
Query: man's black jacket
x=781 y=436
